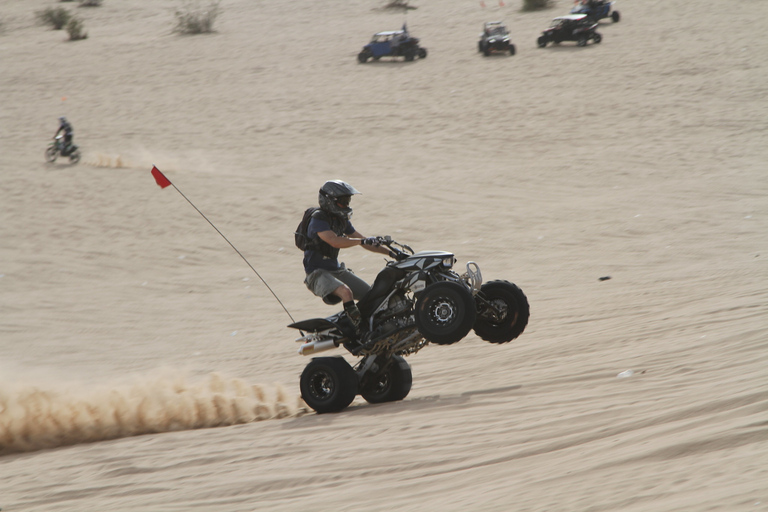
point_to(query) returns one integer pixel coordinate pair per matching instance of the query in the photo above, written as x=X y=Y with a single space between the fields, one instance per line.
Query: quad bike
x=416 y=300
x=57 y=148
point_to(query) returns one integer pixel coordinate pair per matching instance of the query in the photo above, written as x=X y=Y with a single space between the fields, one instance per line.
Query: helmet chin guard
x=333 y=198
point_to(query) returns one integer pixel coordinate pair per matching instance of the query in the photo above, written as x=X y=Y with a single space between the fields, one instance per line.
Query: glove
x=371 y=241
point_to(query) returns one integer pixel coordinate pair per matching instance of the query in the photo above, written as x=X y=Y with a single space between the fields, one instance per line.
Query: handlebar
x=398 y=251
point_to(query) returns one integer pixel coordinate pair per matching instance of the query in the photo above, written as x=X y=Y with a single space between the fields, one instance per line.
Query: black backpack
x=303 y=242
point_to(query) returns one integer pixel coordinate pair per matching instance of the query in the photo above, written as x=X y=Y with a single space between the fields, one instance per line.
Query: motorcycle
x=415 y=300
x=57 y=148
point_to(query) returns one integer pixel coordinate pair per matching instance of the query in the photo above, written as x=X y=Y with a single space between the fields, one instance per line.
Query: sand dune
x=129 y=327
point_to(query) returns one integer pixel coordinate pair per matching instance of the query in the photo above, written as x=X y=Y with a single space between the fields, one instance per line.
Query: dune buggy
x=495 y=39
x=597 y=10
x=572 y=27
x=392 y=43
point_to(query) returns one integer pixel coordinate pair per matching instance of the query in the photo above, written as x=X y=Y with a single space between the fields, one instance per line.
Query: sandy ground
x=127 y=323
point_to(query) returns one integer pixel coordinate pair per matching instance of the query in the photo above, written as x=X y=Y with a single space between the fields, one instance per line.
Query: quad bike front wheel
x=422 y=53
x=511 y=49
x=582 y=41
x=391 y=384
x=615 y=17
x=328 y=384
x=503 y=312
x=597 y=38
x=541 y=41
x=363 y=57
x=51 y=153
x=445 y=312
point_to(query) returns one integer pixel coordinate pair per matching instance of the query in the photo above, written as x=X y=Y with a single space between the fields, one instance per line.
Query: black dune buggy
x=572 y=27
x=495 y=39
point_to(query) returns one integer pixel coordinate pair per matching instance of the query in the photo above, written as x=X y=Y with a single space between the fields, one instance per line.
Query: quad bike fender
x=314 y=325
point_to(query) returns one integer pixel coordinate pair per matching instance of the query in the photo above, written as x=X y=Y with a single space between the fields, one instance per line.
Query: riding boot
x=354 y=316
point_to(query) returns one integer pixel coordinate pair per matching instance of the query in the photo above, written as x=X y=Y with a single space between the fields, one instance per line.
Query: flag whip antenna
x=163 y=182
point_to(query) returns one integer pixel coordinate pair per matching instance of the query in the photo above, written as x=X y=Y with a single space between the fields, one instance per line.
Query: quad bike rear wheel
x=410 y=54
x=582 y=41
x=391 y=384
x=445 y=312
x=503 y=312
x=615 y=16
x=511 y=49
x=328 y=384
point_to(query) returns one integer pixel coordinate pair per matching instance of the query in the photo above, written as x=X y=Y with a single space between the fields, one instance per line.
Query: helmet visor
x=343 y=201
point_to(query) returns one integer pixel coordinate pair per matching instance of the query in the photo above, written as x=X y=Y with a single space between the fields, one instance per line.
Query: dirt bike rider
x=330 y=231
x=68 y=135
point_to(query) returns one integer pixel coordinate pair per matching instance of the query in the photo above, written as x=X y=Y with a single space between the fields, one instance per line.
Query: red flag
x=160 y=177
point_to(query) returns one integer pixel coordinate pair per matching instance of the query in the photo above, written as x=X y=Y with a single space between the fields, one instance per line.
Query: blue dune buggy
x=597 y=10
x=392 y=43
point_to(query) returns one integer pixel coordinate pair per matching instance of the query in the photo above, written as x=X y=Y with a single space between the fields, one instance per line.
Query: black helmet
x=334 y=198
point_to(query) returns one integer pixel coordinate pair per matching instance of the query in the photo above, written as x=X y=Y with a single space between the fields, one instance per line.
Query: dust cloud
x=107 y=161
x=36 y=417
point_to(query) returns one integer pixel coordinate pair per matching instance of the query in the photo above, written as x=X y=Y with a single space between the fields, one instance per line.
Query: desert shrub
x=398 y=4
x=536 y=5
x=192 y=18
x=75 y=29
x=56 y=17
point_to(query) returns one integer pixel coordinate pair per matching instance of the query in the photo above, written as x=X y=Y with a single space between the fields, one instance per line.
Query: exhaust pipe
x=316 y=346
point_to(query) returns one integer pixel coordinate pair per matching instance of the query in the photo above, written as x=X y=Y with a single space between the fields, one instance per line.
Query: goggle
x=343 y=201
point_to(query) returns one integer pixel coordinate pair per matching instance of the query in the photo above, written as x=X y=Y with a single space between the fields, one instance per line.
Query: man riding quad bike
x=417 y=299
